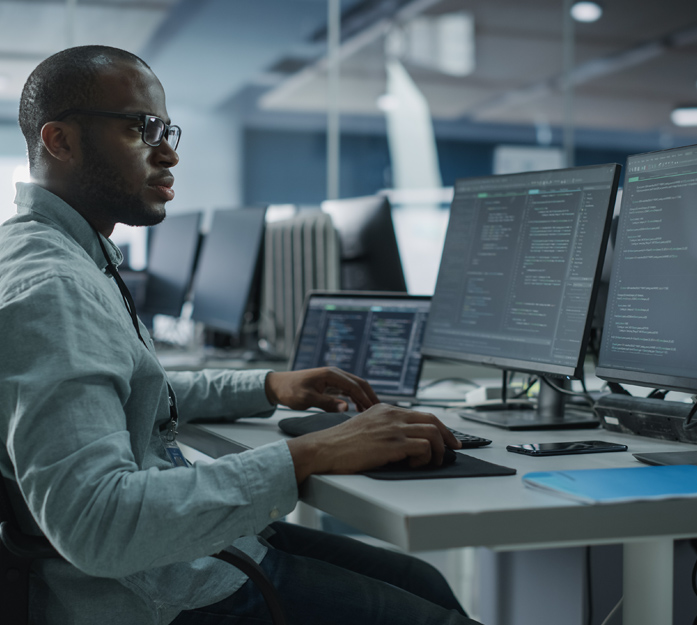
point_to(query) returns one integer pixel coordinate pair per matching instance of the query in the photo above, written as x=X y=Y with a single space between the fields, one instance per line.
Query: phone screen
x=570 y=447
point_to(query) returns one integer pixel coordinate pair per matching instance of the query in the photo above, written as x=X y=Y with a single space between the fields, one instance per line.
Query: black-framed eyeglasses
x=154 y=130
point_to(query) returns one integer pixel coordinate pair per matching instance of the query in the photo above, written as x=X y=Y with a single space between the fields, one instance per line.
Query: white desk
x=499 y=512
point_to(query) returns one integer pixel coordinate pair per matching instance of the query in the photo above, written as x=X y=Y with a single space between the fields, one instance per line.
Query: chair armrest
x=24 y=546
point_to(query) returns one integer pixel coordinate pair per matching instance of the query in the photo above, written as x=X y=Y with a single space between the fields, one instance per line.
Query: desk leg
x=648 y=582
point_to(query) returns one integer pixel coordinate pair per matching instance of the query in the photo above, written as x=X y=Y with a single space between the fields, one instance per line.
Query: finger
x=420 y=452
x=357 y=389
x=328 y=403
x=426 y=417
x=431 y=434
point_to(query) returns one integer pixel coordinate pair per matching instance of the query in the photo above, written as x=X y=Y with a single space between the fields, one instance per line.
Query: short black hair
x=67 y=79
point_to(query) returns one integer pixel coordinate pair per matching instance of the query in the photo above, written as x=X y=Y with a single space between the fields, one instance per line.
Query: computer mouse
x=449 y=456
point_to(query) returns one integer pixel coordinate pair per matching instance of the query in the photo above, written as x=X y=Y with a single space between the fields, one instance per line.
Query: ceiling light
x=685 y=116
x=586 y=11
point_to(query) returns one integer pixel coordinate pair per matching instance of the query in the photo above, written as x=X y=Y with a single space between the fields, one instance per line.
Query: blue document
x=613 y=485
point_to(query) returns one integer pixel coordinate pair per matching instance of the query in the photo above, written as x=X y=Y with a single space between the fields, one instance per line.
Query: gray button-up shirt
x=82 y=403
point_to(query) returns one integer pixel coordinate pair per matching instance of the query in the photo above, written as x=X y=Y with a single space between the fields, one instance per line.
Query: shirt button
x=274 y=514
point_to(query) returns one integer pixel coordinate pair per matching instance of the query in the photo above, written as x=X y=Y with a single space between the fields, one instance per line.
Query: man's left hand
x=319 y=388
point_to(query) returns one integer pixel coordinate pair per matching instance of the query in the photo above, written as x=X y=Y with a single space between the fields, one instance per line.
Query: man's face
x=121 y=179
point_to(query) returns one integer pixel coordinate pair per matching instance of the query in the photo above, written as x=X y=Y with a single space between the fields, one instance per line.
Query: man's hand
x=377 y=436
x=319 y=388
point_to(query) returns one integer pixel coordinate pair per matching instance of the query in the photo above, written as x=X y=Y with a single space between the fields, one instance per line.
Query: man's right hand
x=371 y=439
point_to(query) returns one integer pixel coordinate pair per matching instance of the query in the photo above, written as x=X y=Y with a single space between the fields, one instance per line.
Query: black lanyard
x=131 y=308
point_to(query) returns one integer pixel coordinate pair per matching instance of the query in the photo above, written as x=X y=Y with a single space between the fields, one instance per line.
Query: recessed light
x=684 y=116
x=586 y=11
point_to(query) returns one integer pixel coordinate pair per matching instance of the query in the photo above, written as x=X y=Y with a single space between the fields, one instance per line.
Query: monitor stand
x=549 y=413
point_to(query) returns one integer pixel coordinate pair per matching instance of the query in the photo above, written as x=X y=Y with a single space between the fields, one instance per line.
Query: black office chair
x=18 y=551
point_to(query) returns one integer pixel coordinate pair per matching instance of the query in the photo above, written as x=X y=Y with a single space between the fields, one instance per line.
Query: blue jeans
x=325 y=579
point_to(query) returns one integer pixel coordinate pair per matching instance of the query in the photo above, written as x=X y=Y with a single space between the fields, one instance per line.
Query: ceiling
x=631 y=67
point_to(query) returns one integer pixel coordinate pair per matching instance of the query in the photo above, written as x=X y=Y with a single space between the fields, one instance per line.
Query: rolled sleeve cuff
x=271 y=478
x=250 y=391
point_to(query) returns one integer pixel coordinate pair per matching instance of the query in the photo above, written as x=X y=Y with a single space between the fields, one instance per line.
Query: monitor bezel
x=630 y=376
x=358 y=245
x=151 y=308
x=540 y=367
x=235 y=328
x=394 y=295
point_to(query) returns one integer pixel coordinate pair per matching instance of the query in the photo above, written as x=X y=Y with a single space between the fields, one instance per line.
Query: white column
x=333 y=65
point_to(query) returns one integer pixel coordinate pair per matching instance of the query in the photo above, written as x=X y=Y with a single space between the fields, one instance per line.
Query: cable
x=532 y=380
x=565 y=391
x=689 y=424
x=610 y=617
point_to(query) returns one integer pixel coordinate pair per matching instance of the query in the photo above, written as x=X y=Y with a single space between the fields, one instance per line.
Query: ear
x=60 y=139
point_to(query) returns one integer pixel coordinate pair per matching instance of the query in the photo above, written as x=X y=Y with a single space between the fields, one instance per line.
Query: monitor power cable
x=585 y=394
x=609 y=619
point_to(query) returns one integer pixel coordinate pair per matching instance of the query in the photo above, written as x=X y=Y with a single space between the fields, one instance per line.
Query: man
x=88 y=416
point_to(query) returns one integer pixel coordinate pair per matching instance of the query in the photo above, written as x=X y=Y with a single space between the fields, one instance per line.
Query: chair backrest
x=18 y=551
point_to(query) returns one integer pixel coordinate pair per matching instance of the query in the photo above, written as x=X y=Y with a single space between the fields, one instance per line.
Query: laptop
x=374 y=335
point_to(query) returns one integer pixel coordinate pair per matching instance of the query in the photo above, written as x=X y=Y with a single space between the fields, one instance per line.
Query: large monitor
x=226 y=285
x=370 y=258
x=376 y=336
x=518 y=278
x=650 y=335
x=172 y=251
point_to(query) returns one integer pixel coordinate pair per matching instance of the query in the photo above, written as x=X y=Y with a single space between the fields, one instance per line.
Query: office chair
x=18 y=551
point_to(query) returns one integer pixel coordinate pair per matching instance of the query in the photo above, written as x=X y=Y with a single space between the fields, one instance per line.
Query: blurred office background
x=293 y=102
x=297 y=101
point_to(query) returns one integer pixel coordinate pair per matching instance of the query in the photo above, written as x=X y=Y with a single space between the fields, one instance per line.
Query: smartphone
x=571 y=447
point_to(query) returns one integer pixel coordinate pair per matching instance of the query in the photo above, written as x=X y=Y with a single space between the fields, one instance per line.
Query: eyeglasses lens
x=173 y=136
x=153 y=131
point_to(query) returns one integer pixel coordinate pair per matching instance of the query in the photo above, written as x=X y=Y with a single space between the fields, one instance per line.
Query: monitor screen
x=228 y=270
x=520 y=266
x=173 y=247
x=376 y=336
x=369 y=254
x=650 y=334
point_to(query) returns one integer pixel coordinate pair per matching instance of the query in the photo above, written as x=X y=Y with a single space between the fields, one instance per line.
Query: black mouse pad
x=464 y=465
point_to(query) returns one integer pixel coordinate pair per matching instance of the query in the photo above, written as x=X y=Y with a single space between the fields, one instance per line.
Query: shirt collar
x=32 y=198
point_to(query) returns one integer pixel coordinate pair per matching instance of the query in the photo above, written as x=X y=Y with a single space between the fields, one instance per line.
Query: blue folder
x=621 y=484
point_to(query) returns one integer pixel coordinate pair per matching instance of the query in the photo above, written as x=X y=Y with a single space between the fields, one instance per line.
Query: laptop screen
x=376 y=336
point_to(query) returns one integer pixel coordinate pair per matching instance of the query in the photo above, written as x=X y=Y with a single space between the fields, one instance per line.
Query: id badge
x=176 y=457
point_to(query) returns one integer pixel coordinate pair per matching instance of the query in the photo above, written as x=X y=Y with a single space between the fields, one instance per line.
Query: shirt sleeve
x=220 y=394
x=77 y=414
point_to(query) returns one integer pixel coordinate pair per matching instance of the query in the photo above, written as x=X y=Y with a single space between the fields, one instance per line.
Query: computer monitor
x=226 y=284
x=518 y=278
x=369 y=254
x=376 y=336
x=172 y=250
x=650 y=335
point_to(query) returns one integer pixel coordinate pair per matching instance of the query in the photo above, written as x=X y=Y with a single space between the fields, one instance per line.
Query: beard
x=101 y=187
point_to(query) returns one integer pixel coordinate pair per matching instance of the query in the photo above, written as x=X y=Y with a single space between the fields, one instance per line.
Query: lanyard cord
x=131 y=308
